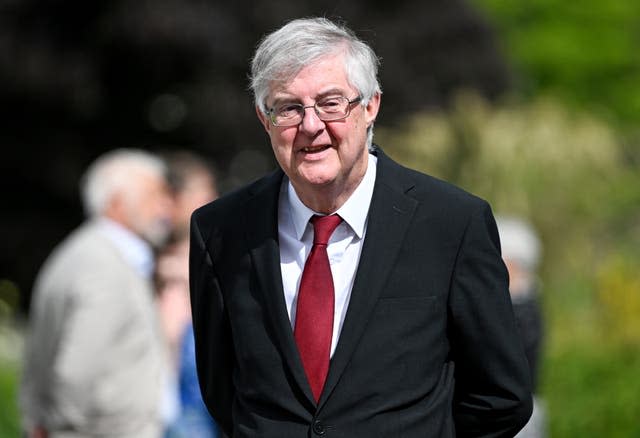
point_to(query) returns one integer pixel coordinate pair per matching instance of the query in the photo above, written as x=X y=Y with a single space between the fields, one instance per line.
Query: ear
x=264 y=119
x=116 y=208
x=371 y=109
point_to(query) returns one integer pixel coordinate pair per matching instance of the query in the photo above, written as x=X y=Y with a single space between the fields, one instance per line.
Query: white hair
x=112 y=173
x=283 y=53
x=519 y=242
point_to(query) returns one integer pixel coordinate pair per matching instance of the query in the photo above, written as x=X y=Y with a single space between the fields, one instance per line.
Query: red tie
x=314 y=312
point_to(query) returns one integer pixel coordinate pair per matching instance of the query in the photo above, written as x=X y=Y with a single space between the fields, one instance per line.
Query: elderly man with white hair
x=344 y=295
x=94 y=353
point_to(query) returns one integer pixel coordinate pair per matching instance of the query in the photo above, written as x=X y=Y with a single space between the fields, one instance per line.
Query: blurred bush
x=593 y=392
x=9 y=420
x=11 y=344
x=586 y=52
x=538 y=159
x=9 y=299
x=619 y=297
x=567 y=172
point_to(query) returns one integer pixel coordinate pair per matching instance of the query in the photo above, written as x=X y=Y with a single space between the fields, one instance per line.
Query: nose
x=311 y=123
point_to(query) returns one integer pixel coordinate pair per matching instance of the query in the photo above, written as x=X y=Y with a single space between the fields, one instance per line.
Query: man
x=93 y=364
x=410 y=334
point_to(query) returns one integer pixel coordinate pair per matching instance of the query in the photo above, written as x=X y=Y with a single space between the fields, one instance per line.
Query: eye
x=331 y=104
x=288 y=110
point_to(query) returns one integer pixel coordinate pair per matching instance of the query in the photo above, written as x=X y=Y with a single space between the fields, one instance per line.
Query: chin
x=157 y=235
x=317 y=175
x=317 y=180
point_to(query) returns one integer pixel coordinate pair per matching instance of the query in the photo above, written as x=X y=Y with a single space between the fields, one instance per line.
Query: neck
x=323 y=202
x=115 y=216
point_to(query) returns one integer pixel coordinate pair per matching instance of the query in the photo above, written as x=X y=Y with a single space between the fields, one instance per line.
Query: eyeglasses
x=327 y=109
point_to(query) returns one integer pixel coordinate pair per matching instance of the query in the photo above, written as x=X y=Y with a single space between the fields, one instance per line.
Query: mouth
x=315 y=149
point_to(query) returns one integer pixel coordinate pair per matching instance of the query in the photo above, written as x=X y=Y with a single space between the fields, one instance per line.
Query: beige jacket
x=94 y=353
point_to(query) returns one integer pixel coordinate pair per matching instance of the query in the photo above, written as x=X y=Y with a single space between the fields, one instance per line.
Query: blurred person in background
x=193 y=184
x=344 y=295
x=521 y=249
x=94 y=360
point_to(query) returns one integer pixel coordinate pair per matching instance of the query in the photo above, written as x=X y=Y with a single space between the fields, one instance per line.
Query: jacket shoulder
x=227 y=209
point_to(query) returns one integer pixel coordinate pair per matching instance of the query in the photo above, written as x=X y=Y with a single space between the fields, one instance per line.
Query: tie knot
x=323 y=228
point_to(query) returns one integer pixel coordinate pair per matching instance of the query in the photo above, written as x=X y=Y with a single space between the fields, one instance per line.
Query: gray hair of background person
x=112 y=173
x=519 y=242
x=281 y=55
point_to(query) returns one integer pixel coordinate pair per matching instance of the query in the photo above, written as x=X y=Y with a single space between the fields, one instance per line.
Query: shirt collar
x=136 y=251
x=354 y=211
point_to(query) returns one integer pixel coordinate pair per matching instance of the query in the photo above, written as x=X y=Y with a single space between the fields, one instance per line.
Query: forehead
x=324 y=76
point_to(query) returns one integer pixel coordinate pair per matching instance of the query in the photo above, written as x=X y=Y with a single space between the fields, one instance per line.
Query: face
x=321 y=157
x=519 y=278
x=148 y=208
x=199 y=189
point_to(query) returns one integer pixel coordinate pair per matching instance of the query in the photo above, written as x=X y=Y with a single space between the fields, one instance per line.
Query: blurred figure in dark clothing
x=521 y=251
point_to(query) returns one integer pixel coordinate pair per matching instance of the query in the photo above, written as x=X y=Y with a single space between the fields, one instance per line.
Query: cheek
x=346 y=131
x=161 y=207
x=287 y=136
x=282 y=142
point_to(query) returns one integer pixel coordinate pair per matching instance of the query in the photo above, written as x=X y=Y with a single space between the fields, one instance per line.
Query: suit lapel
x=390 y=213
x=261 y=225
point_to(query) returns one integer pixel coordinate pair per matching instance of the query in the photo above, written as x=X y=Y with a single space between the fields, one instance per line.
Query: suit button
x=318 y=428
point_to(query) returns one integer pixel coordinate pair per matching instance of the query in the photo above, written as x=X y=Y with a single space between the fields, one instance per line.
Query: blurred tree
x=78 y=77
x=586 y=52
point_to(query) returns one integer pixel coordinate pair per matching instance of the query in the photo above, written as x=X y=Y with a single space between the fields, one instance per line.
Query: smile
x=311 y=149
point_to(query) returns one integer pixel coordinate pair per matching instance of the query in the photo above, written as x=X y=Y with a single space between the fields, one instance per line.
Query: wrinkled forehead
x=283 y=80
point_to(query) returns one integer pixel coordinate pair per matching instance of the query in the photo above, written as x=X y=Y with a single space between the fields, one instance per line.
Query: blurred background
x=533 y=105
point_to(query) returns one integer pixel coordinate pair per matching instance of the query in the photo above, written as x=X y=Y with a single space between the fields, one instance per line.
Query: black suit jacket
x=429 y=347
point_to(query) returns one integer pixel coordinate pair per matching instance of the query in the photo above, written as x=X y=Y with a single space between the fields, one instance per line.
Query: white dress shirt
x=345 y=245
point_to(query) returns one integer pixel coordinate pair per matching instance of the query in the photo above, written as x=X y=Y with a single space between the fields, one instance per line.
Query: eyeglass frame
x=271 y=111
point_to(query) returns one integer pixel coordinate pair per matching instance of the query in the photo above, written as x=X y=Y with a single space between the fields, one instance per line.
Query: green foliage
x=9 y=420
x=592 y=391
x=538 y=160
x=11 y=344
x=619 y=299
x=586 y=52
x=10 y=353
x=565 y=171
x=9 y=299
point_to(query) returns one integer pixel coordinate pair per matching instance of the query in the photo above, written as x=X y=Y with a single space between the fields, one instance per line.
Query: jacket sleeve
x=493 y=389
x=214 y=347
